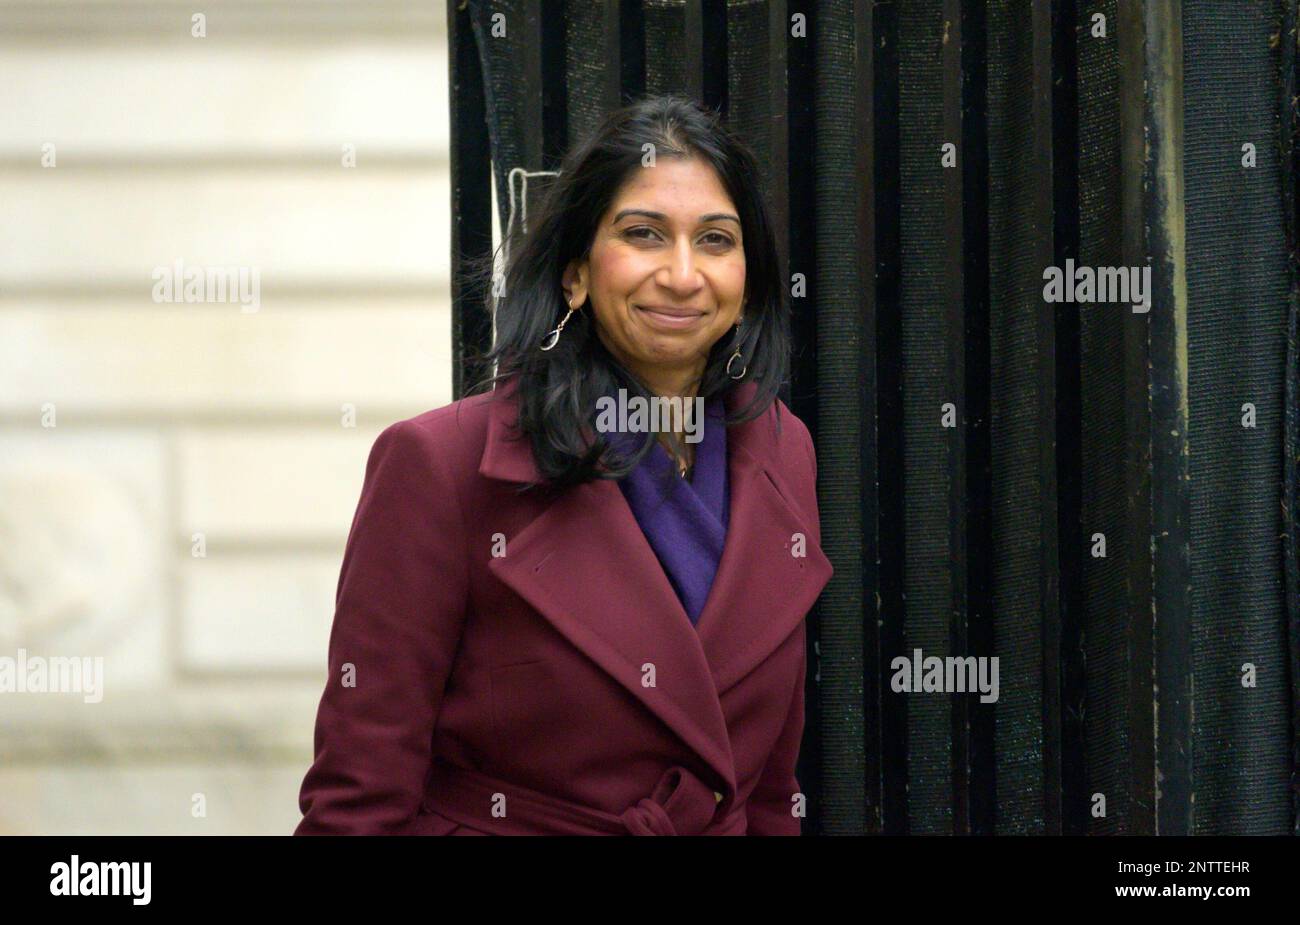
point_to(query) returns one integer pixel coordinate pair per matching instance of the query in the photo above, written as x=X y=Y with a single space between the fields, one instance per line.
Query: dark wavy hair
x=558 y=388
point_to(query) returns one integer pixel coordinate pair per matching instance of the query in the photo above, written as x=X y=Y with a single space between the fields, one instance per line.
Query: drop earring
x=736 y=356
x=554 y=337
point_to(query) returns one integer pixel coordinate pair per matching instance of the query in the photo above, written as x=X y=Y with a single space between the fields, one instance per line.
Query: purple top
x=687 y=525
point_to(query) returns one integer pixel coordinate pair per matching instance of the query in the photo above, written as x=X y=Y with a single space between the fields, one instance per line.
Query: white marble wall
x=129 y=426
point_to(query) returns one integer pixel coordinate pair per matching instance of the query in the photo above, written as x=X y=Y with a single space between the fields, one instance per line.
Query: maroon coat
x=501 y=663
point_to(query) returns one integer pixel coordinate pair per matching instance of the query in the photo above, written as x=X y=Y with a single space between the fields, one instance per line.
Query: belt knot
x=648 y=818
x=680 y=804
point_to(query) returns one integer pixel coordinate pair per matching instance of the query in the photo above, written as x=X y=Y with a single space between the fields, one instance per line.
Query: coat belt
x=679 y=804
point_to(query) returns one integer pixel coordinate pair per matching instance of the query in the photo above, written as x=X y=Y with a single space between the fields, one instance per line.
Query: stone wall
x=177 y=478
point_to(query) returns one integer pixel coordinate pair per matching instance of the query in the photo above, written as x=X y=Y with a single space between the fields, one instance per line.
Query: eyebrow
x=659 y=216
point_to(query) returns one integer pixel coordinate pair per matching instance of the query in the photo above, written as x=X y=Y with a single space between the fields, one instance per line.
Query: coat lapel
x=586 y=566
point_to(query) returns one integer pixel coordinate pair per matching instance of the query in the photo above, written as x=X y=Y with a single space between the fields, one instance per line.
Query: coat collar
x=586 y=566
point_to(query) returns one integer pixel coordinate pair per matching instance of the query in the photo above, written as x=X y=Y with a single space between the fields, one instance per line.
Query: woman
x=545 y=626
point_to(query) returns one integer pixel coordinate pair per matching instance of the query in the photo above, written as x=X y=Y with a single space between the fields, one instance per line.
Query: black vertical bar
x=799 y=231
x=1104 y=429
x=668 y=53
x=693 y=50
x=1137 y=438
x=980 y=642
x=1289 y=112
x=552 y=42
x=611 y=40
x=837 y=286
x=631 y=29
x=600 y=50
x=713 y=55
x=866 y=159
x=778 y=182
x=471 y=197
x=1044 y=245
x=778 y=190
x=532 y=86
x=1073 y=783
x=955 y=392
x=885 y=528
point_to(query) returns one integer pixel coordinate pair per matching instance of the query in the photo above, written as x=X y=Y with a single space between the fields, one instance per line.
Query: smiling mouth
x=669 y=320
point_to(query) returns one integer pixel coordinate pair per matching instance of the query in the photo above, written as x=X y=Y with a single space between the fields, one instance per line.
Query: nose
x=683 y=276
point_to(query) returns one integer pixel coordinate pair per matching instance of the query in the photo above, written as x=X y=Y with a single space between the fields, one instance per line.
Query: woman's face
x=665 y=278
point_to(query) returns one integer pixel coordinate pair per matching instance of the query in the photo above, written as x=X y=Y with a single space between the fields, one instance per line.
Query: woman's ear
x=574 y=281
